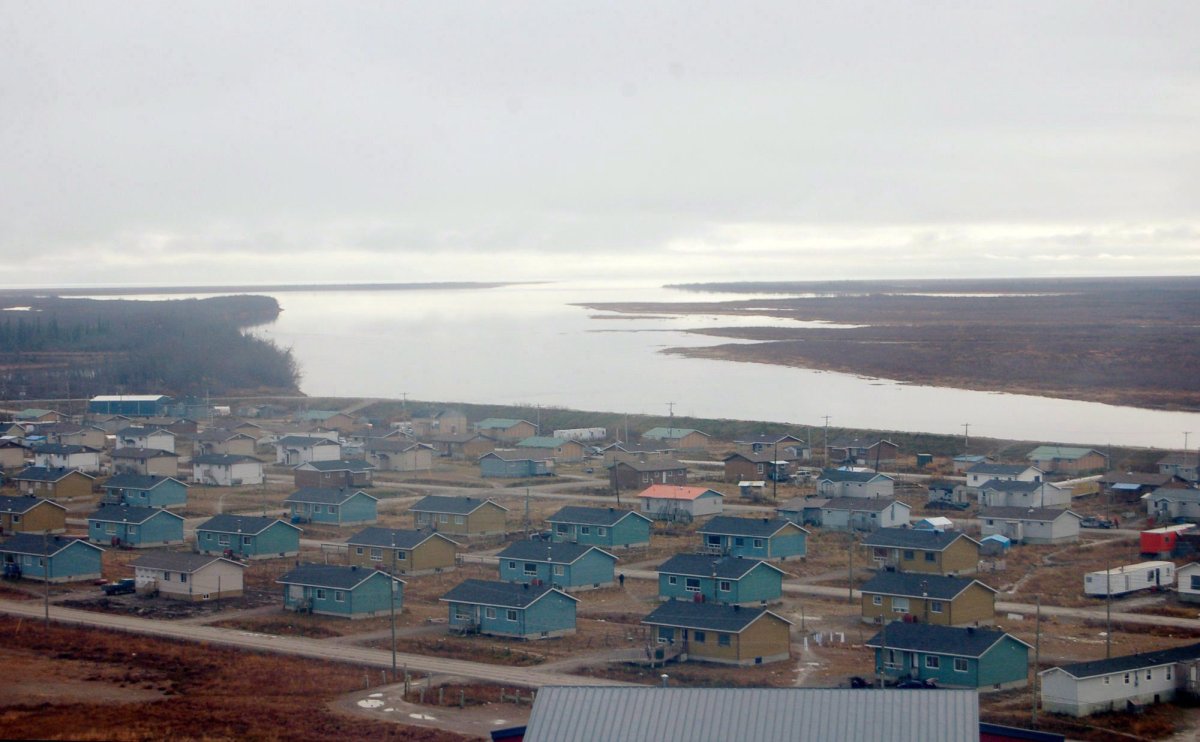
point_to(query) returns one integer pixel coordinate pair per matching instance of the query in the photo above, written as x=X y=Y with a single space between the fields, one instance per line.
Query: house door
x=296 y=592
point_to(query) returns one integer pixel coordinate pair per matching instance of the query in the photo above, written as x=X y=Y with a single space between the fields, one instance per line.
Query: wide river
x=528 y=345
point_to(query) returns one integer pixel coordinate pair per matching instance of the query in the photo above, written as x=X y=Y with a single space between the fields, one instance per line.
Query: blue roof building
x=562 y=565
x=953 y=657
x=759 y=538
x=122 y=525
x=50 y=558
x=510 y=609
x=609 y=528
x=346 y=592
x=147 y=491
x=248 y=537
x=718 y=579
x=332 y=505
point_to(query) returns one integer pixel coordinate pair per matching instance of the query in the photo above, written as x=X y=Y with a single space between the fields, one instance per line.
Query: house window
x=585 y=530
x=739 y=541
x=561 y=528
x=459 y=520
x=601 y=531
x=133 y=530
x=692 y=584
x=17 y=519
x=358 y=550
x=183 y=576
x=935 y=606
x=511 y=615
x=376 y=555
x=462 y=613
x=166 y=576
x=1168 y=672
x=400 y=556
x=316 y=508
x=1107 y=680
x=933 y=662
x=223 y=539
x=889 y=659
x=910 y=554
x=724 y=586
x=960 y=664
x=110 y=528
x=530 y=569
x=672 y=580
x=443 y=517
x=1196 y=582
x=991 y=522
x=333 y=509
x=512 y=564
x=699 y=637
x=723 y=640
x=320 y=593
x=1149 y=673
x=339 y=596
x=930 y=556
x=246 y=540
x=758 y=543
x=1126 y=678
x=489 y=612
x=899 y=605
x=876 y=600
x=559 y=570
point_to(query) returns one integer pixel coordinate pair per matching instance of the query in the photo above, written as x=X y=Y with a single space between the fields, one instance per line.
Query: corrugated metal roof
x=579 y=714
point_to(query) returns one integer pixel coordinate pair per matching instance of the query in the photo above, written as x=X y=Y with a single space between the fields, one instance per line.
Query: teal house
x=773 y=539
x=346 y=592
x=248 y=537
x=511 y=609
x=564 y=566
x=121 y=525
x=608 y=528
x=953 y=657
x=335 y=506
x=146 y=491
x=515 y=464
x=50 y=558
x=716 y=579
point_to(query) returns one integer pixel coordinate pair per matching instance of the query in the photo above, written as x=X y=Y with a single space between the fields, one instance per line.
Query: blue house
x=606 y=527
x=565 y=566
x=515 y=464
x=50 y=558
x=728 y=580
x=121 y=525
x=986 y=659
x=333 y=505
x=759 y=538
x=248 y=537
x=511 y=609
x=347 y=592
x=131 y=405
x=146 y=491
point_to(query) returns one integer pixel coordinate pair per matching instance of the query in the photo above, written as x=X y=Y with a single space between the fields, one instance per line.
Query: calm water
x=527 y=345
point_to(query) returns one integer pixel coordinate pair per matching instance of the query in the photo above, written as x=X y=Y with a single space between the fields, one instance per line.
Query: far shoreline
x=258 y=288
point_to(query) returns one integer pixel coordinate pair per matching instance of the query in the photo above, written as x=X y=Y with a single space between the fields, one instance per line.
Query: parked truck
x=1129 y=578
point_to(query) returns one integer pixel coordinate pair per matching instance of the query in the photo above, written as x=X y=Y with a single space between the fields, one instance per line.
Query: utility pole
x=1108 y=611
x=966 y=437
x=826 y=456
x=671 y=417
x=850 y=591
x=1037 y=658
x=775 y=473
x=46 y=575
x=392 y=604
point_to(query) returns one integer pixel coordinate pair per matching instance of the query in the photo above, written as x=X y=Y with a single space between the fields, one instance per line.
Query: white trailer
x=582 y=434
x=1130 y=578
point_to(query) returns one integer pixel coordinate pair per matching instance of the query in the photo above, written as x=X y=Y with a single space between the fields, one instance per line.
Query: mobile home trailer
x=1130 y=578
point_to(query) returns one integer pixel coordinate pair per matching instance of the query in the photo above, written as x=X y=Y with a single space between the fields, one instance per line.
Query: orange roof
x=675 y=492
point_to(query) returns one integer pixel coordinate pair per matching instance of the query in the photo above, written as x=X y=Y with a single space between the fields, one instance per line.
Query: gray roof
x=128 y=514
x=305 y=440
x=56 y=449
x=23 y=504
x=799 y=504
x=332 y=576
x=46 y=473
x=392 y=445
x=628 y=447
x=459 y=437
x=842 y=475
x=726 y=525
x=142 y=453
x=730 y=619
x=451 y=505
x=1135 y=477
x=999 y=469
x=526 y=455
x=766 y=438
x=338 y=465
x=872 y=504
x=552 y=553
x=1129 y=662
x=707 y=565
x=592 y=516
x=652 y=465
x=398 y=538
x=648 y=714
x=945 y=640
x=1038 y=514
x=909 y=538
x=223 y=459
x=138 y=481
x=325 y=495
x=219 y=435
x=500 y=594
x=915 y=585
x=140 y=430
x=1013 y=485
x=226 y=523
x=178 y=561
x=36 y=543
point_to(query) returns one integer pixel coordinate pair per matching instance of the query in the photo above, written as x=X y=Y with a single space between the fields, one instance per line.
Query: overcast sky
x=232 y=142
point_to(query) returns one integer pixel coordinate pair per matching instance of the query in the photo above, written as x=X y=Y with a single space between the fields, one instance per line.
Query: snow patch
x=370 y=703
x=422 y=717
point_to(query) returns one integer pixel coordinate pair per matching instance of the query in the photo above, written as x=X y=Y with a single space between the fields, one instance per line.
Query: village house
x=1187 y=586
x=461 y=516
x=1184 y=465
x=951 y=657
x=772 y=539
x=965 y=461
x=235 y=425
x=506 y=429
x=639 y=473
x=927 y=552
x=515 y=464
x=58 y=484
x=562 y=450
x=27 y=514
x=1120 y=683
x=187 y=576
x=337 y=473
x=725 y=579
x=227 y=470
x=180 y=426
x=388 y=454
x=1011 y=493
x=248 y=537
x=624 y=451
x=510 y=609
x=401 y=551
x=982 y=473
x=788 y=446
x=12 y=455
x=1031 y=525
x=1068 y=459
x=326 y=419
x=805 y=511
x=335 y=506
x=134 y=527
x=293 y=450
x=741 y=466
x=110 y=424
x=56 y=456
x=344 y=592
x=39 y=415
x=679 y=439
x=927 y=599
x=668 y=502
x=723 y=634
x=1168 y=503
x=219 y=440
x=609 y=528
x=851 y=483
x=1130 y=486
x=74 y=434
x=145 y=461
x=872 y=452
x=137 y=436
x=462 y=446
x=34 y=556
x=561 y=565
x=863 y=514
x=441 y=422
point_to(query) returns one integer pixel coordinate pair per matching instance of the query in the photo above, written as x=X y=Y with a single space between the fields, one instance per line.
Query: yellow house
x=31 y=515
x=924 y=551
x=724 y=634
x=933 y=599
x=462 y=516
x=401 y=552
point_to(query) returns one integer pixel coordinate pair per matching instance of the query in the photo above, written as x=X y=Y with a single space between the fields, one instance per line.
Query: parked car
x=947 y=505
x=917 y=683
x=120 y=587
x=1097 y=523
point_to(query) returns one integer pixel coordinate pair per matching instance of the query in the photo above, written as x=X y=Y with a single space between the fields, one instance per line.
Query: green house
x=248 y=537
x=717 y=579
x=520 y=611
x=953 y=657
x=347 y=592
x=337 y=506
x=146 y=491
x=609 y=528
x=50 y=558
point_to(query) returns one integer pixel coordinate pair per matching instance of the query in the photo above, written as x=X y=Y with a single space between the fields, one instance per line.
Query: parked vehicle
x=917 y=683
x=126 y=586
x=1094 y=522
x=946 y=505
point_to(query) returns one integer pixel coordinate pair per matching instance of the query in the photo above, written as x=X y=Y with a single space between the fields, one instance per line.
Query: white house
x=1168 y=503
x=137 y=436
x=1031 y=525
x=980 y=473
x=55 y=456
x=187 y=576
x=227 y=470
x=293 y=450
x=864 y=514
x=1188 y=583
x=1013 y=493
x=1114 y=684
x=1129 y=578
x=854 y=483
x=668 y=501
